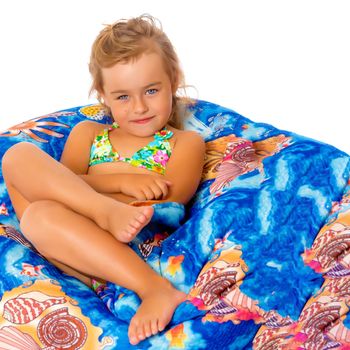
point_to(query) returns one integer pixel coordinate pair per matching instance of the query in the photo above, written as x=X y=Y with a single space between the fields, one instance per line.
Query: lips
x=142 y=121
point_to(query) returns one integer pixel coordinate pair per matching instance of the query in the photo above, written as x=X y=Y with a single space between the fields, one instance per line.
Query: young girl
x=77 y=211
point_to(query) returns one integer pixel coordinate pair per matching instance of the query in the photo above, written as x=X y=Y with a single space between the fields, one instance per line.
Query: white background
x=286 y=63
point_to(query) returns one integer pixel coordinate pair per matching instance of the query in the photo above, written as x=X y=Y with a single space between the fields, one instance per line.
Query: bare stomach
x=116 y=167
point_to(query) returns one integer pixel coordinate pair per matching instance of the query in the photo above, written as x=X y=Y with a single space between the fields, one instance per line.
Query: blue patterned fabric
x=262 y=250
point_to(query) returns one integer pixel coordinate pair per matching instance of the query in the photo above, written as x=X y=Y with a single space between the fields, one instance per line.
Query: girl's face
x=139 y=94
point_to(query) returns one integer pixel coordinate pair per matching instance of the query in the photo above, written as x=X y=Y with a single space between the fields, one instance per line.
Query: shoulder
x=188 y=142
x=87 y=125
x=88 y=128
x=188 y=137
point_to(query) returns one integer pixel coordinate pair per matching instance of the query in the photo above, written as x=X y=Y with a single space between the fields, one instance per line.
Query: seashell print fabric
x=23 y=310
x=263 y=249
x=40 y=315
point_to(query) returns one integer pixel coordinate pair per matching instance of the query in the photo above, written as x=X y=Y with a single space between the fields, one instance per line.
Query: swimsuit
x=153 y=156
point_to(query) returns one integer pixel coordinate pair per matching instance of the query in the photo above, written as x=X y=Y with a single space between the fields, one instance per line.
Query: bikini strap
x=163 y=134
x=114 y=126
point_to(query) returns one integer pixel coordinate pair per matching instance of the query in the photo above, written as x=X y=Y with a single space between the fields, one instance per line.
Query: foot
x=155 y=312
x=124 y=221
x=129 y=221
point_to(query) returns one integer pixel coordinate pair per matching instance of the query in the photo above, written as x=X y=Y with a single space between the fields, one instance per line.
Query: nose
x=140 y=105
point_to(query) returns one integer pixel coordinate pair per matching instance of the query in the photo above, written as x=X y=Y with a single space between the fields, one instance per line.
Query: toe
x=131 y=230
x=136 y=331
x=136 y=224
x=148 y=212
x=125 y=236
x=140 y=333
x=148 y=328
x=161 y=325
x=154 y=326
x=132 y=333
x=145 y=214
x=141 y=218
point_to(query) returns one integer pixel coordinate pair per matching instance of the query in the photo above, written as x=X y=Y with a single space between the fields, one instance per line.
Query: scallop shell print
x=13 y=339
x=24 y=310
x=60 y=330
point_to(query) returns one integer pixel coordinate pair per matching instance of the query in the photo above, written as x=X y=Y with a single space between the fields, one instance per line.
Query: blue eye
x=151 y=91
x=122 y=97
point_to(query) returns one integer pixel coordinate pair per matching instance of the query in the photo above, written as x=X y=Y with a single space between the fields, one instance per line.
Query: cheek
x=165 y=106
x=119 y=111
x=168 y=102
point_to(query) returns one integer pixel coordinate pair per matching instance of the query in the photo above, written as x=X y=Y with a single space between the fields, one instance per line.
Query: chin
x=145 y=130
x=143 y=133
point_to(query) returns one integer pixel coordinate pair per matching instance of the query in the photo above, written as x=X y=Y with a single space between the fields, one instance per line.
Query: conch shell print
x=24 y=310
x=230 y=156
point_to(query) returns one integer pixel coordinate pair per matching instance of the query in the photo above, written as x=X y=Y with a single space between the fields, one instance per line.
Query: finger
x=164 y=188
x=139 y=195
x=148 y=193
x=157 y=191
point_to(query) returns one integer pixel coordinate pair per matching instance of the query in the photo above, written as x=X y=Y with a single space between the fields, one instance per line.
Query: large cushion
x=263 y=250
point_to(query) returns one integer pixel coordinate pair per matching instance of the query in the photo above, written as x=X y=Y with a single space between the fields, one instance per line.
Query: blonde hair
x=127 y=40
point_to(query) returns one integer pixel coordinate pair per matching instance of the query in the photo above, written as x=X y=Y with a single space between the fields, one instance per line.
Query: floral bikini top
x=153 y=156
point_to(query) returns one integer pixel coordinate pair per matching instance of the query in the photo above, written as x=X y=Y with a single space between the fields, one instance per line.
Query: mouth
x=142 y=121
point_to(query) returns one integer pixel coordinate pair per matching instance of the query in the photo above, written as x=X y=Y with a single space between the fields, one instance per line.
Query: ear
x=102 y=99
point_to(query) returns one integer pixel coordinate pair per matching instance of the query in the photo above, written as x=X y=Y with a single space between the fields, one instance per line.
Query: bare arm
x=182 y=176
x=184 y=169
x=134 y=186
x=123 y=186
x=76 y=157
x=76 y=152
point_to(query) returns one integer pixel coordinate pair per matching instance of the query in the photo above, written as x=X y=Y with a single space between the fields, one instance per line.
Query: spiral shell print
x=61 y=330
x=214 y=284
x=24 y=310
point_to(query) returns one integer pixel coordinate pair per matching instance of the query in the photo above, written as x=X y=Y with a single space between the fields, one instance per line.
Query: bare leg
x=73 y=240
x=33 y=175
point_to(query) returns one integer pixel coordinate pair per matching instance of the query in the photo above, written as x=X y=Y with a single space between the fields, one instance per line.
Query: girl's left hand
x=144 y=187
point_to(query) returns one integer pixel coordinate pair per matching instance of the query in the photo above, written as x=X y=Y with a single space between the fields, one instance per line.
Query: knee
x=38 y=217
x=15 y=153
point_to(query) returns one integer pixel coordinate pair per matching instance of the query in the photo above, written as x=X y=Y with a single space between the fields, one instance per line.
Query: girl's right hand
x=144 y=187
